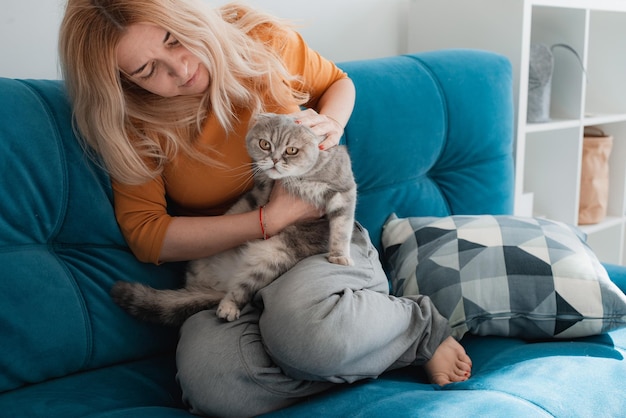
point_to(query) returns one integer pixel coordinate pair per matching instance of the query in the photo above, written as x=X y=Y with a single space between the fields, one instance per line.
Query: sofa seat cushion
x=581 y=377
x=142 y=388
x=510 y=378
x=398 y=395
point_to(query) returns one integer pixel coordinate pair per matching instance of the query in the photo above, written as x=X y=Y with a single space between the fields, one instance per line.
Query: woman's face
x=157 y=62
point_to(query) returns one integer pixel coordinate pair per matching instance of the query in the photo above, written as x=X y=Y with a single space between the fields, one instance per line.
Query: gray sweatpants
x=319 y=324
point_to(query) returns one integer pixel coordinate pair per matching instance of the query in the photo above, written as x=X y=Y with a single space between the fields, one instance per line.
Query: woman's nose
x=180 y=70
x=179 y=67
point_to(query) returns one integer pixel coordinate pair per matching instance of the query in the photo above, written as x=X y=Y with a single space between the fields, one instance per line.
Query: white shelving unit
x=548 y=155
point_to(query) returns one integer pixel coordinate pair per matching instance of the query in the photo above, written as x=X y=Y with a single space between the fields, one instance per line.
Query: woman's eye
x=291 y=151
x=265 y=145
x=170 y=41
x=150 y=73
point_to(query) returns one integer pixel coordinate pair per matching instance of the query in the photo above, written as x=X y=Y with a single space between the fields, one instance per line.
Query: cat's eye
x=291 y=151
x=265 y=144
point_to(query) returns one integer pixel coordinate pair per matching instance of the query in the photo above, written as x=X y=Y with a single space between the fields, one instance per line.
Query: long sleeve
x=141 y=212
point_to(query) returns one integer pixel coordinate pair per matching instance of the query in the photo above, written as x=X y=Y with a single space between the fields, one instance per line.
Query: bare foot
x=449 y=364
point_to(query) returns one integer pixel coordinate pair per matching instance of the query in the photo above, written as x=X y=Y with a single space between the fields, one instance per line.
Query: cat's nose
x=275 y=160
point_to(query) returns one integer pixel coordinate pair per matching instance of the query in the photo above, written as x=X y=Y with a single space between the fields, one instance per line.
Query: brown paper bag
x=594 y=178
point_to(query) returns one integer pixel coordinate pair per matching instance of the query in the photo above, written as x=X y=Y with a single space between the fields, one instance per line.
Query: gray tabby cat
x=280 y=149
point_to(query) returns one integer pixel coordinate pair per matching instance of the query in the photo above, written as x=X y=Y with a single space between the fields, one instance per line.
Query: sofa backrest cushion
x=61 y=248
x=431 y=135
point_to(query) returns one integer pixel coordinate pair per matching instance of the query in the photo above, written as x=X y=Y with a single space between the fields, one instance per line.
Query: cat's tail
x=168 y=307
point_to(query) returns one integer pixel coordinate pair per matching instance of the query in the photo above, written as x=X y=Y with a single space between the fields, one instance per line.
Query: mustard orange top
x=188 y=187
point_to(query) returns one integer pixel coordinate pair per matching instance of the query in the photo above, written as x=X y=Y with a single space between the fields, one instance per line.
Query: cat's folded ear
x=270 y=119
x=262 y=117
x=258 y=118
x=267 y=117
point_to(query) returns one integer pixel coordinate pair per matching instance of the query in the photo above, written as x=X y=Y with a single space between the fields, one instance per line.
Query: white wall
x=341 y=30
x=28 y=29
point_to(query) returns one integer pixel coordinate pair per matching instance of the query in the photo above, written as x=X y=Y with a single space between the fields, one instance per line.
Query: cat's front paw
x=341 y=259
x=228 y=310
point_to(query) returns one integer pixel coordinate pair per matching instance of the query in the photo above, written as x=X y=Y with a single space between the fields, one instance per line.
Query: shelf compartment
x=551 y=173
x=617 y=168
x=555 y=25
x=606 y=63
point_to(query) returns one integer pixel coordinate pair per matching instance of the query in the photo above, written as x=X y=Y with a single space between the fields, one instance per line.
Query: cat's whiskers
x=241 y=168
x=245 y=174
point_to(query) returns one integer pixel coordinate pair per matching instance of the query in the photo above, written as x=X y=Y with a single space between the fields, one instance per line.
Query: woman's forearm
x=189 y=238
x=337 y=101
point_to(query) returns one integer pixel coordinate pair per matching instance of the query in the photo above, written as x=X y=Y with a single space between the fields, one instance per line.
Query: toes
x=465 y=359
x=462 y=375
x=463 y=366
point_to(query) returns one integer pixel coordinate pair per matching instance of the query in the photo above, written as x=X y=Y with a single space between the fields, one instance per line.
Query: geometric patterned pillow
x=504 y=275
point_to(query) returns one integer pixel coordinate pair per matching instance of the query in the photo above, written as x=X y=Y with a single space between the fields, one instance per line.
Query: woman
x=163 y=91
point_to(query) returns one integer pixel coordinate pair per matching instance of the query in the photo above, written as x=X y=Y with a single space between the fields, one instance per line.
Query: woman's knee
x=224 y=370
x=314 y=342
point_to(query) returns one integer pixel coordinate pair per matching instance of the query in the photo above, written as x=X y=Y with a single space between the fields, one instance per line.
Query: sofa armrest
x=617 y=274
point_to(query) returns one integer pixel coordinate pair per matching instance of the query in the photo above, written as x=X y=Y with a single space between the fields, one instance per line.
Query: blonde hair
x=135 y=132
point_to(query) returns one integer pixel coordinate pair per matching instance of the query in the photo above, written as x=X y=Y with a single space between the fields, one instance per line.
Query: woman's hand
x=284 y=209
x=322 y=125
x=331 y=113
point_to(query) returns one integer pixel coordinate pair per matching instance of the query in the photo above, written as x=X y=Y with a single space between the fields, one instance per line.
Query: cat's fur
x=231 y=278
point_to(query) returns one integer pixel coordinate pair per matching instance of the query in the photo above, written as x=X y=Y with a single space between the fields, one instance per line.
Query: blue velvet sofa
x=431 y=135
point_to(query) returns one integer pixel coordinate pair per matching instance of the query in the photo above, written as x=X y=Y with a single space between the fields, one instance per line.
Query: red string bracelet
x=262 y=222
